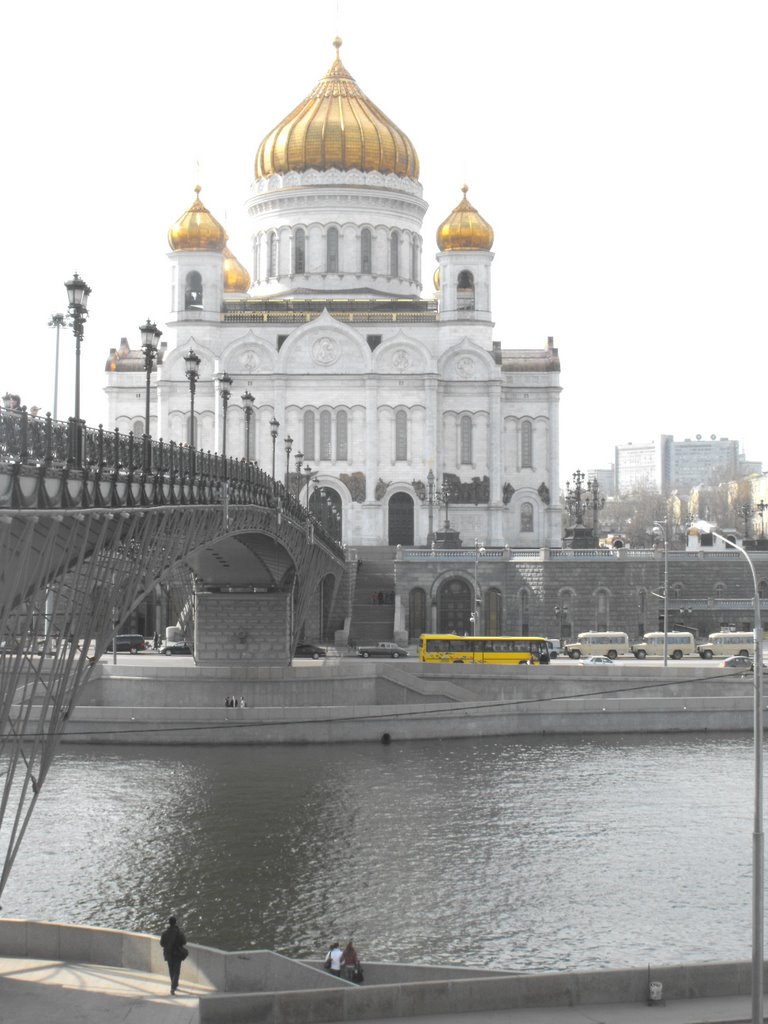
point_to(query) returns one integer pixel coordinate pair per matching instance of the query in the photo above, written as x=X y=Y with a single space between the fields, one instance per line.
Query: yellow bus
x=483 y=650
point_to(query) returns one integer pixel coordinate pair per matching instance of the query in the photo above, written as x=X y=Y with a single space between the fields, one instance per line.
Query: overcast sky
x=617 y=149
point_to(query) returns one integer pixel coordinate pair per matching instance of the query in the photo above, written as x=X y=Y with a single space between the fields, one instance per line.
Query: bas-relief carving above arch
x=466 y=361
x=248 y=354
x=173 y=366
x=402 y=355
x=324 y=346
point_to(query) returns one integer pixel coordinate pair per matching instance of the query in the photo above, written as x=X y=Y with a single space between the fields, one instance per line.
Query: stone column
x=242 y=629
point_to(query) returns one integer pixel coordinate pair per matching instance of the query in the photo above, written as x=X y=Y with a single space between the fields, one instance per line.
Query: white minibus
x=678 y=645
x=723 y=645
x=609 y=644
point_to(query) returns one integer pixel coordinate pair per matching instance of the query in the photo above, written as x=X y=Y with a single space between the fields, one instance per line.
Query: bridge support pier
x=242 y=628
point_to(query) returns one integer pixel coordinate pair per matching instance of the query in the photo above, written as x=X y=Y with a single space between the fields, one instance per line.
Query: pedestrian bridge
x=91 y=522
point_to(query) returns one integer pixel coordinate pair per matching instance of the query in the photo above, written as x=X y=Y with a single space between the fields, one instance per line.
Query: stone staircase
x=373 y=607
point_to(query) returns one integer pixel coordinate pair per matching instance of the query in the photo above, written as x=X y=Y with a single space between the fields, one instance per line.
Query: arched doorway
x=454 y=607
x=325 y=505
x=417 y=613
x=400 y=511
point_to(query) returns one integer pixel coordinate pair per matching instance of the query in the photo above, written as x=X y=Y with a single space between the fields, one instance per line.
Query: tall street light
x=479 y=550
x=77 y=296
x=247 y=400
x=150 y=336
x=288 y=450
x=58 y=320
x=225 y=383
x=274 y=426
x=192 y=373
x=758 y=841
x=660 y=529
x=299 y=460
x=308 y=475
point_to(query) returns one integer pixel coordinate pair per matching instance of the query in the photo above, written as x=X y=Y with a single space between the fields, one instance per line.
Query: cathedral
x=387 y=407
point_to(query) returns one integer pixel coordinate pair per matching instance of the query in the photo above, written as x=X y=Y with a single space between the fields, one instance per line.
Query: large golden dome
x=464 y=229
x=337 y=126
x=197 y=229
x=236 y=277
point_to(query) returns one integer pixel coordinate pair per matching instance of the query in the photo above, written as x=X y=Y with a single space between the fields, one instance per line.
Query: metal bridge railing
x=44 y=443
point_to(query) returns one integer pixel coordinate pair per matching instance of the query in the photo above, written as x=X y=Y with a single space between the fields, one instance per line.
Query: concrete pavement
x=53 y=992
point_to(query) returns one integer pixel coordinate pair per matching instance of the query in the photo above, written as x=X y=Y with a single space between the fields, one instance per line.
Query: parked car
x=133 y=642
x=310 y=651
x=597 y=659
x=737 y=661
x=177 y=647
x=383 y=649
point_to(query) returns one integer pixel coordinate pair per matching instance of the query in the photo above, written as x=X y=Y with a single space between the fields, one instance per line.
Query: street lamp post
x=58 y=320
x=758 y=842
x=308 y=476
x=248 y=400
x=274 y=426
x=150 y=336
x=660 y=528
x=192 y=373
x=225 y=383
x=479 y=550
x=288 y=450
x=299 y=460
x=77 y=295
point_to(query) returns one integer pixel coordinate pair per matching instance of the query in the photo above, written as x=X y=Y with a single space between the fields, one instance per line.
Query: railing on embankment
x=261 y=985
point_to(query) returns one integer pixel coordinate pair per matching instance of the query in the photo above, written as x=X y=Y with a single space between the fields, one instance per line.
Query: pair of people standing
x=344 y=963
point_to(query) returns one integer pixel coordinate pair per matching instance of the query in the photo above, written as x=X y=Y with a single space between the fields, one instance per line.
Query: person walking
x=350 y=963
x=174 y=943
x=333 y=958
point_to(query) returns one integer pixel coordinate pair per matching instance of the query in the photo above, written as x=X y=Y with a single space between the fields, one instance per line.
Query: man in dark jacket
x=173 y=942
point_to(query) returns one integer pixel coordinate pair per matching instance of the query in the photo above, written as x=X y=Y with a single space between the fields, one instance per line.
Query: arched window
x=394 y=254
x=762 y=588
x=465 y=440
x=341 y=436
x=299 y=251
x=272 y=243
x=309 y=435
x=332 y=251
x=719 y=590
x=525 y=612
x=676 y=590
x=417 y=612
x=526 y=517
x=365 y=251
x=193 y=290
x=492 y=621
x=415 y=260
x=602 y=610
x=325 y=434
x=401 y=436
x=465 y=291
x=526 y=445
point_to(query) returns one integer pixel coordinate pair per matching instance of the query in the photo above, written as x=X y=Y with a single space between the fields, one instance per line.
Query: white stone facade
x=375 y=385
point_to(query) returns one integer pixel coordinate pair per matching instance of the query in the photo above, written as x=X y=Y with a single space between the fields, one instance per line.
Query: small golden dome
x=197 y=229
x=436 y=279
x=464 y=229
x=337 y=126
x=236 y=277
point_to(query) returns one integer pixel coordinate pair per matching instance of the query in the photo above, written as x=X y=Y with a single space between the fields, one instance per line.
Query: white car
x=597 y=659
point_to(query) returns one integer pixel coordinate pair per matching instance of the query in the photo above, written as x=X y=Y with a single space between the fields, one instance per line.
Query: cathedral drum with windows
x=394 y=401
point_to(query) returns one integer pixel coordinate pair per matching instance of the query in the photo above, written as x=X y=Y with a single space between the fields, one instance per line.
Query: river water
x=522 y=853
